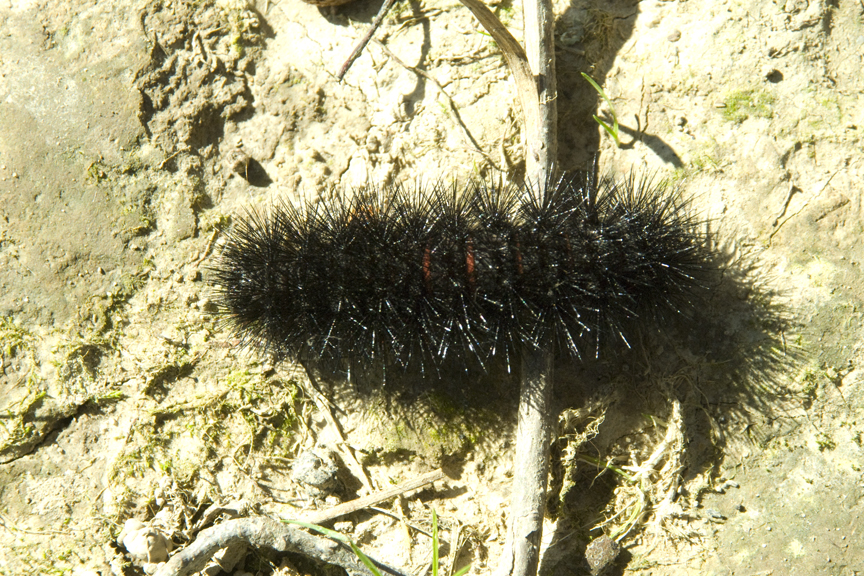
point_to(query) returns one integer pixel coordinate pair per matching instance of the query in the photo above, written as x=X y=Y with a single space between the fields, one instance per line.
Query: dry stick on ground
x=534 y=72
x=367 y=501
x=342 y=446
x=365 y=40
x=542 y=138
x=267 y=533
x=263 y=533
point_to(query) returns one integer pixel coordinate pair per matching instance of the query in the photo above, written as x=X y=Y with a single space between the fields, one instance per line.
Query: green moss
x=238 y=380
x=243 y=28
x=14 y=338
x=825 y=442
x=704 y=163
x=701 y=163
x=96 y=173
x=137 y=460
x=16 y=428
x=809 y=381
x=399 y=12
x=215 y=221
x=743 y=104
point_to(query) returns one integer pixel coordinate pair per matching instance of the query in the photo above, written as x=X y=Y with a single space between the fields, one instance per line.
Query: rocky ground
x=132 y=133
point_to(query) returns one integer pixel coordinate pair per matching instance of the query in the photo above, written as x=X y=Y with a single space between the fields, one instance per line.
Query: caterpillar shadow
x=726 y=367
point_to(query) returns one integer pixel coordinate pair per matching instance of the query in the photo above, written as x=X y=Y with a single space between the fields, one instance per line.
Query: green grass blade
x=341 y=538
x=613 y=131
x=321 y=530
x=434 y=543
x=612 y=134
x=365 y=559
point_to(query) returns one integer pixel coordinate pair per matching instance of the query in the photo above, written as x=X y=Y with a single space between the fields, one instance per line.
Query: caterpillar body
x=402 y=276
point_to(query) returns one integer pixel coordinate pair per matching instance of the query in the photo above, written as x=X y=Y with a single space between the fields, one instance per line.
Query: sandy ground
x=122 y=397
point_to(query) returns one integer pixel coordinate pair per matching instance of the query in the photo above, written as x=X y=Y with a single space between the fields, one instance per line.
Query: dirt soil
x=132 y=132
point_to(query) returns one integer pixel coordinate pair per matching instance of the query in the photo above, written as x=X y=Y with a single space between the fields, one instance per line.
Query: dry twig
x=266 y=534
x=367 y=501
x=366 y=38
x=342 y=446
x=534 y=71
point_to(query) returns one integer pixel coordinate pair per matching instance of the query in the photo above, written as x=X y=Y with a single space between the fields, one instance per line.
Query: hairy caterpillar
x=402 y=276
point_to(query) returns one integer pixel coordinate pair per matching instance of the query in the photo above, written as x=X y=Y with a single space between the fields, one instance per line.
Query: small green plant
x=611 y=130
x=825 y=442
x=811 y=379
x=462 y=570
x=365 y=559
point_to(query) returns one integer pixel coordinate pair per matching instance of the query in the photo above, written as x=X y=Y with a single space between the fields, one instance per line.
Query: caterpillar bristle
x=422 y=277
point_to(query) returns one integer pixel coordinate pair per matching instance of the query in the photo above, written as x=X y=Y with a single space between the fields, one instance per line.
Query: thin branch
x=521 y=555
x=342 y=446
x=266 y=533
x=534 y=71
x=779 y=225
x=537 y=153
x=366 y=38
x=263 y=533
x=366 y=501
x=540 y=49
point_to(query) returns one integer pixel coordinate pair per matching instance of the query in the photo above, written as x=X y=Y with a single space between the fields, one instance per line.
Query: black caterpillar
x=402 y=276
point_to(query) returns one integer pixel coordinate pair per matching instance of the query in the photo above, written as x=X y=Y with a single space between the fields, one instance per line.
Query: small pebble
x=237 y=161
x=601 y=553
x=144 y=543
x=315 y=471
